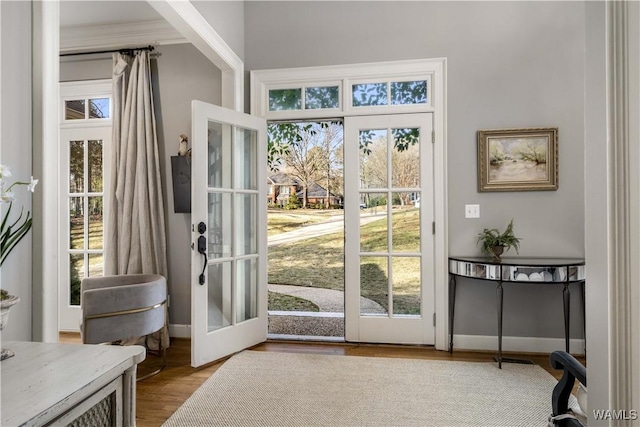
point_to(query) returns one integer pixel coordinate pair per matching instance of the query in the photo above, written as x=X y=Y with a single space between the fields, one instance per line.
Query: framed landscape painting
x=518 y=159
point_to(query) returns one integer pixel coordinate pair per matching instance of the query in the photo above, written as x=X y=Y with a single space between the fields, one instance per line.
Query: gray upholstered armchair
x=124 y=308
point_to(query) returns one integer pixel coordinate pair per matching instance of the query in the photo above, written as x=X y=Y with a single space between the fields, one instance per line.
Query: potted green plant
x=494 y=243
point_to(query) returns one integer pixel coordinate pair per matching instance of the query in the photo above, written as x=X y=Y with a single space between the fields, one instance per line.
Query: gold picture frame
x=518 y=159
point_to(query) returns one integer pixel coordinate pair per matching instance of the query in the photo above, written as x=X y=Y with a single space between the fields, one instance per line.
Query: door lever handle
x=202 y=248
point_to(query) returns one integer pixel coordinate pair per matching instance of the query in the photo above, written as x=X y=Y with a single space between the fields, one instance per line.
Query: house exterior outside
x=281 y=186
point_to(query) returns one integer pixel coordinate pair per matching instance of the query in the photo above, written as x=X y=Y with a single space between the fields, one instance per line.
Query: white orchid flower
x=32 y=184
x=4 y=171
x=7 y=197
x=11 y=232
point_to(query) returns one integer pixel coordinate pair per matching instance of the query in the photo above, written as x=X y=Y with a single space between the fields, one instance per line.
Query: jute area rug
x=287 y=389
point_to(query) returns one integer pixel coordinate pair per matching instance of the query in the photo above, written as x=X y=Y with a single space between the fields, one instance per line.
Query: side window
x=86 y=212
x=85 y=141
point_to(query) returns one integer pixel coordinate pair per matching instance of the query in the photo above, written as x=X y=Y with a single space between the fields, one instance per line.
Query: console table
x=69 y=384
x=545 y=271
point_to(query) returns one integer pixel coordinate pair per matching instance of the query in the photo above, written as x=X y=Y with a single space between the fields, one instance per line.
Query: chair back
x=122 y=307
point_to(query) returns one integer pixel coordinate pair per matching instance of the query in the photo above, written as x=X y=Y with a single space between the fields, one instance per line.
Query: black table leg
x=584 y=317
x=566 y=298
x=452 y=307
x=499 y=294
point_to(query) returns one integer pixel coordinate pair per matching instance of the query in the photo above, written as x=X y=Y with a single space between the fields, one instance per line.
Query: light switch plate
x=472 y=211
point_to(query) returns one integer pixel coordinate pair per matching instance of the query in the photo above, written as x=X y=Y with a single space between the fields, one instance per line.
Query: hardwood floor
x=159 y=396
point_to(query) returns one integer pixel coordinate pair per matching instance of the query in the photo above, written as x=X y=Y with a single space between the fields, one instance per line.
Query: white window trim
x=434 y=71
x=87 y=89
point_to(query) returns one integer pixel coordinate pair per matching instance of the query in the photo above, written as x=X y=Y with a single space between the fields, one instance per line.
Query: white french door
x=389 y=242
x=229 y=275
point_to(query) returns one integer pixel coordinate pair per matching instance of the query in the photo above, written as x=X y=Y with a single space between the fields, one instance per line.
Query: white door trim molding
x=185 y=18
x=436 y=69
x=45 y=31
x=118 y=35
x=623 y=113
x=46 y=64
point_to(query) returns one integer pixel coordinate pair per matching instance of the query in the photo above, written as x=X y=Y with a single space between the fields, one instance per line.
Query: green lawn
x=282 y=302
x=319 y=262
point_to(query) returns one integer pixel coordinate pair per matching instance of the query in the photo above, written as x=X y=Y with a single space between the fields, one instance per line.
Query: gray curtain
x=136 y=237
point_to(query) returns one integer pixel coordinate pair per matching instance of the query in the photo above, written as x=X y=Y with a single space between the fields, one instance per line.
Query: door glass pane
x=405 y=224
x=76 y=269
x=321 y=97
x=409 y=92
x=96 y=265
x=368 y=94
x=76 y=166
x=219 y=152
x=95 y=166
x=247 y=290
x=246 y=159
x=99 y=108
x=373 y=222
x=76 y=223
x=74 y=110
x=245 y=227
x=406 y=286
x=374 y=286
x=219 y=225
x=95 y=223
x=285 y=99
x=373 y=158
x=218 y=296
x=405 y=158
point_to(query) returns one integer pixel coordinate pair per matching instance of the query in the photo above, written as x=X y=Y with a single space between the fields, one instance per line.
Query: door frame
x=435 y=71
x=185 y=18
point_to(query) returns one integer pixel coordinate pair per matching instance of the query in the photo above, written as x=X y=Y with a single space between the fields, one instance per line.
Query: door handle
x=202 y=248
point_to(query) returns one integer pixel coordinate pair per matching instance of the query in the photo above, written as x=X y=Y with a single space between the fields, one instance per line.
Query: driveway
x=334 y=225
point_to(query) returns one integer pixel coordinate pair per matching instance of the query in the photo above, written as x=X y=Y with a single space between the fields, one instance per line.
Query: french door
x=389 y=242
x=229 y=279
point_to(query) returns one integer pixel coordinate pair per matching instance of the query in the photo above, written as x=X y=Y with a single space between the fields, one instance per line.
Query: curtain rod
x=126 y=51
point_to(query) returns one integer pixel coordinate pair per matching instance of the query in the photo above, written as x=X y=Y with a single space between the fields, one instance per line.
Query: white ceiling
x=82 y=13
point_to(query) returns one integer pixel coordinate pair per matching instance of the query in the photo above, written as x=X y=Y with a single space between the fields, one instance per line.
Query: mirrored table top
x=524 y=261
x=517 y=269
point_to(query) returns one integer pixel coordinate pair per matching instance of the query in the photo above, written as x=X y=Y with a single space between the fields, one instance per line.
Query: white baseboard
x=180 y=331
x=517 y=344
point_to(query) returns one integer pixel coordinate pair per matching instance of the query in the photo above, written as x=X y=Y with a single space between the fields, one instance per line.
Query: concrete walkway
x=328 y=323
x=328 y=300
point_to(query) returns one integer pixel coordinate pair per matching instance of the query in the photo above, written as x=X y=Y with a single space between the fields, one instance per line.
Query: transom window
x=387 y=93
x=362 y=89
x=87 y=109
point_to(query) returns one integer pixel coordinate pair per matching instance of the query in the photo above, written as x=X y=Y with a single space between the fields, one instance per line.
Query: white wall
x=597 y=210
x=509 y=64
x=227 y=18
x=180 y=74
x=15 y=151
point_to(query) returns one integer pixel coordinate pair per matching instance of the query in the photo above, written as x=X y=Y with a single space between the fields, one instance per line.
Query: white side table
x=69 y=384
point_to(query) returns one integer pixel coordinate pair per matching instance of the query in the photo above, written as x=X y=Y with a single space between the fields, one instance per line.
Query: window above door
x=349 y=90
